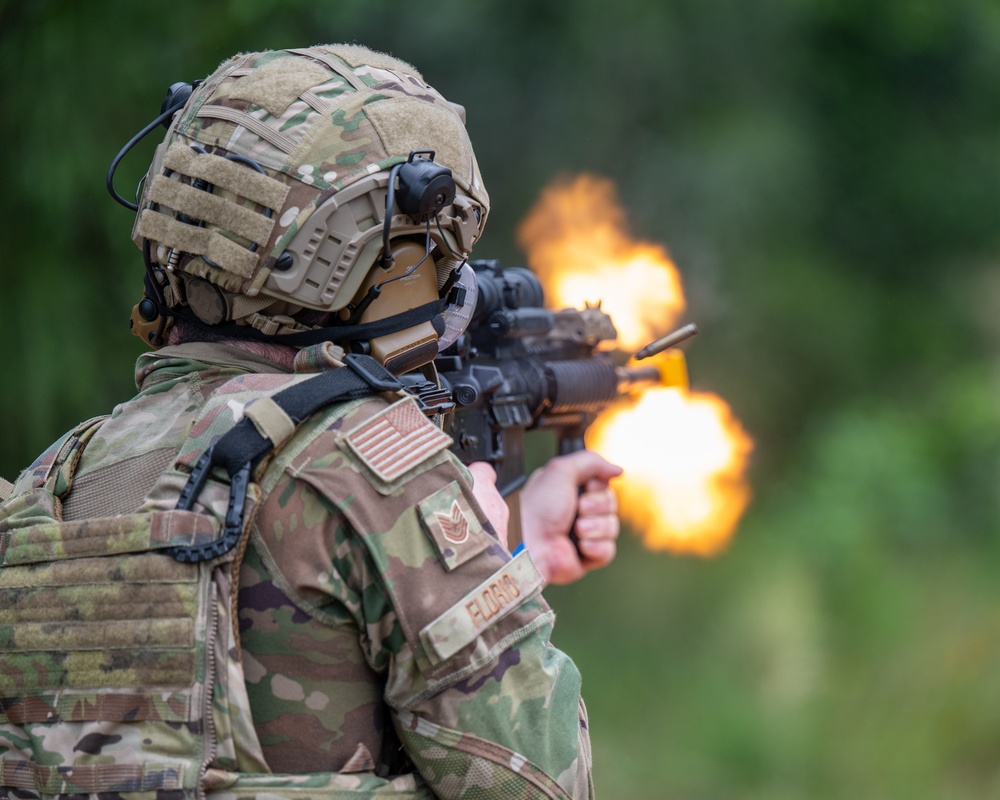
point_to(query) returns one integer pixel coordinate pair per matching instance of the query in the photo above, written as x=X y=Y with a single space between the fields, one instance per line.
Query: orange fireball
x=684 y=454
x=578 y=244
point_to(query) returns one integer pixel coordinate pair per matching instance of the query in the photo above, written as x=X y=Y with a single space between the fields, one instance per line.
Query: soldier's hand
x=484 y=488
x=571 y=490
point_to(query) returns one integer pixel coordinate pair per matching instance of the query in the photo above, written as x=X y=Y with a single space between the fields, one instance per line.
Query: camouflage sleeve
x=483 y=703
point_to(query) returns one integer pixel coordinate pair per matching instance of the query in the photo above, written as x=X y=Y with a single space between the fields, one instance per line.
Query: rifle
x=521 y=367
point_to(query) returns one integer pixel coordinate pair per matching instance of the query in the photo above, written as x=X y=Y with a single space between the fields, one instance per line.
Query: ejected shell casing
x=668 y=341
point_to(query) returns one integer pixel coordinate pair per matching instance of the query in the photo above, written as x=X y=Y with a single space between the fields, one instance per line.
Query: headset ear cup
x=425 y=188
x=149 y=324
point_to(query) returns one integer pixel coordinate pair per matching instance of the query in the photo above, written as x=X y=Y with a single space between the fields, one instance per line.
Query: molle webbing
x=46 y=541
x=224 y=173
x=212 y=208
x=199 y=242
x=103 y=659
x=226 y=217
x=89 y=779
x=105 y=644
x=111 y=650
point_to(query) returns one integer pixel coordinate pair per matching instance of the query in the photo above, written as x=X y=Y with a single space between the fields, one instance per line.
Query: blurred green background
x=826 y=175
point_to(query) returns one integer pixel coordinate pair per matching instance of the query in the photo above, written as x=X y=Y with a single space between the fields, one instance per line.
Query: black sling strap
x=241 y=449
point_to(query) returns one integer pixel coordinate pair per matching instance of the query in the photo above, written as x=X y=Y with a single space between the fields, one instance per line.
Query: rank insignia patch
x=452 y=526
x=396 y=440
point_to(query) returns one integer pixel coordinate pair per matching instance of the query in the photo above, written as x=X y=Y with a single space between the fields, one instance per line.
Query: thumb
x=588 y=465
x=482 y=473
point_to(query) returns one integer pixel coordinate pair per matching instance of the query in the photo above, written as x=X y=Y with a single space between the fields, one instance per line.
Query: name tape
x=481 y=608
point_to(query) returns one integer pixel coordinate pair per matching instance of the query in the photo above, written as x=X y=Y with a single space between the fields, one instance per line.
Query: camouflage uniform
x=390 y=645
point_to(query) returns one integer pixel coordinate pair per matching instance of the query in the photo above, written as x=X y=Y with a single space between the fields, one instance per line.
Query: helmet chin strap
x=341 y=334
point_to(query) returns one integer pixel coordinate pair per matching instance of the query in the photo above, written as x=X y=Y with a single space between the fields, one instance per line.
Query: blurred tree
x=825 y=175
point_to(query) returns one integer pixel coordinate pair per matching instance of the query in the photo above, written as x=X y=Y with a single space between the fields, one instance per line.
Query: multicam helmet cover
x=268 y=195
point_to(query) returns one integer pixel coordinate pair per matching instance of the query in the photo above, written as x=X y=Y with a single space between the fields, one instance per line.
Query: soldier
x=266 y=573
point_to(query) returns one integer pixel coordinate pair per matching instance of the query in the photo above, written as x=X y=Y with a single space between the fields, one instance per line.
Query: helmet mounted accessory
x=150 y=318
x=310 y=195
x=177 y=95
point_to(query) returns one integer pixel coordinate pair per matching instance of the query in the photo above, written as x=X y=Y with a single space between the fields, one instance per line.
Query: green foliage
x=825 y=175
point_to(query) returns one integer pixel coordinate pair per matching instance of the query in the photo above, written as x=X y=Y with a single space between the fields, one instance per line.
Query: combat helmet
x=302 y=195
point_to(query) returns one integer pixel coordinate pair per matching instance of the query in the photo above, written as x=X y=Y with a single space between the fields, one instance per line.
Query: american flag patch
x=395 y=440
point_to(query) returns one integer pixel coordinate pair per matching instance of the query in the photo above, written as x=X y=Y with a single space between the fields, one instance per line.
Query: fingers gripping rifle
x=521 y=367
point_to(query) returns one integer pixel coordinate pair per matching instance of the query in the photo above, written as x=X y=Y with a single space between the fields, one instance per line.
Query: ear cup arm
x=425 y=189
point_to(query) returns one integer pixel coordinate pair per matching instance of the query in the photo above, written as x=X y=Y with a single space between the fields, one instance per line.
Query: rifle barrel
x=630 y=378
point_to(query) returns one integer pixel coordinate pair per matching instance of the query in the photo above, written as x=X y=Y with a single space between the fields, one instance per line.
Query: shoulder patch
x=396 y=440
x=453 y=527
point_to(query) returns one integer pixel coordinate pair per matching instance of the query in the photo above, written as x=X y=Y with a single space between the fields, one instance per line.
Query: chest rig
x=120 y=673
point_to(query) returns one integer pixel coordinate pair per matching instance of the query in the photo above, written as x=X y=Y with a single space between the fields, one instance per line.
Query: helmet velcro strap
x=335 y=63
x=223 y=252
x=356 y=56
x=211 y=208
x=406 y=123
x=275 y=85
x=226 y=174
x=250 y=122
